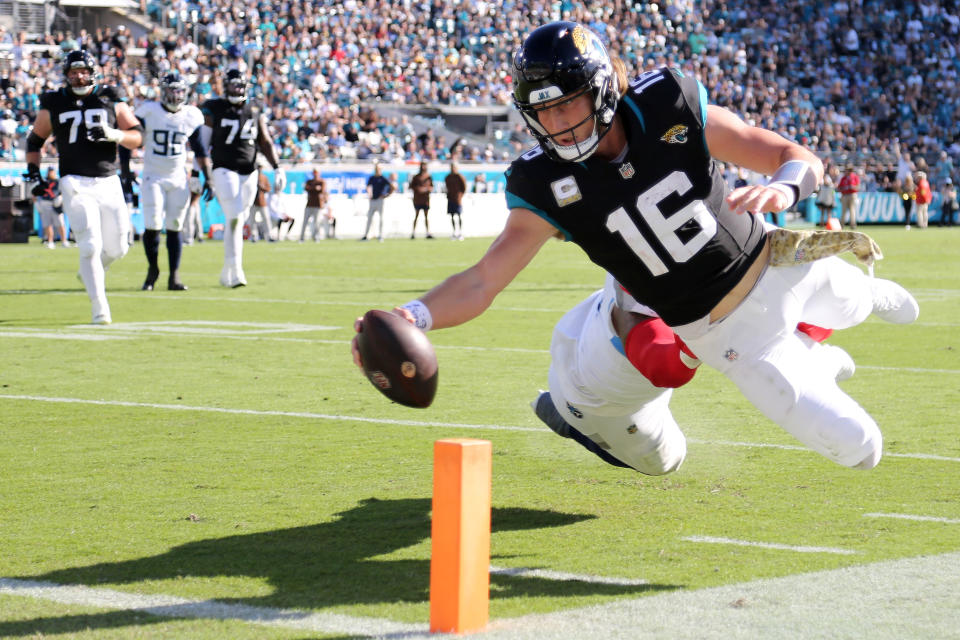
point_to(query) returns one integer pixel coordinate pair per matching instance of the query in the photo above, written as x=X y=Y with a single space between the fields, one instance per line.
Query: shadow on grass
x=316 y=566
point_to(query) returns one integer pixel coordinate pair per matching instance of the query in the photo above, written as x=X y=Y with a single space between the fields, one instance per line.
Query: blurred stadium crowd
x=871 y=83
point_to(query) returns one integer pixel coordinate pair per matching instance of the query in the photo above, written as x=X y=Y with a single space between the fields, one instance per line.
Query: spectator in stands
x=421 y=184
x=923 y=197
x=849 y=188
x=378 y=189
x=456 y=186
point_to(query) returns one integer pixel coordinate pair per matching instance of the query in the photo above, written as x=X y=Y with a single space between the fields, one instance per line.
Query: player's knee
x=88 y=245
x=666 y=457
x=854 y=442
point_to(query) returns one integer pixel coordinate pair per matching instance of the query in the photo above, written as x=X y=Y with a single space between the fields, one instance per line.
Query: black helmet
x=173 y=91
x=564 y=59
x=235 y=87
x=81 y=59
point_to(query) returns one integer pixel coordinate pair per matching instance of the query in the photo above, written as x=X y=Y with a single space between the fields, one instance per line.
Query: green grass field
x=219 y=446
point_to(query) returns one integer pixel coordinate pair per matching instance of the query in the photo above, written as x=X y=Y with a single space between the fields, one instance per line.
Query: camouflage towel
x=797 y=247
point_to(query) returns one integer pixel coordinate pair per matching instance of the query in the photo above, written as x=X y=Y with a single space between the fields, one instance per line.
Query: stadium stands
x=871 y=83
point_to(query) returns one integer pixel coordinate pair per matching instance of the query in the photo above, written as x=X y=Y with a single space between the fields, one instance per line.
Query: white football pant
x=598 y=392
x=756 y=347
x=164 y=200
x=235 y=193
x=101 y=225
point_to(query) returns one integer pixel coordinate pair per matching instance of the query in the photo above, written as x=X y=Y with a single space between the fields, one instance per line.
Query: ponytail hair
x=620 y=72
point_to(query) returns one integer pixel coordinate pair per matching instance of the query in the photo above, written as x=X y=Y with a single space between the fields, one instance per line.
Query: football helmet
x=173 y=91
x=81 y=59
x=564 y=59
x=235 y=87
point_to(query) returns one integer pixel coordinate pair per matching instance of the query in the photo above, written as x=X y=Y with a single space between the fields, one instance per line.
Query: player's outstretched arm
x=129 y=126
x=465 y=295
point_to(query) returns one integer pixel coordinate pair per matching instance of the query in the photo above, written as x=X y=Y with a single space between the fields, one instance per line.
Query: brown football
x=398 y=359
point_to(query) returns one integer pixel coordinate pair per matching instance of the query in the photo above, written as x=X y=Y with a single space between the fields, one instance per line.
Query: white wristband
x=421 y=314
x=786 y=190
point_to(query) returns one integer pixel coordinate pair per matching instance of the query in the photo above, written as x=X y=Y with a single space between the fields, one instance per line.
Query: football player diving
x=88 y=121
x=630 y=171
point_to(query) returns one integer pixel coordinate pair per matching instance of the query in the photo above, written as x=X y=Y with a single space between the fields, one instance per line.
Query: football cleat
x=543 y=407
x=152 y=275
x=893 y=303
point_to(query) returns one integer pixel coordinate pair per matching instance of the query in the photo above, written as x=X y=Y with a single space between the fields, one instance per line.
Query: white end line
x=768 y=545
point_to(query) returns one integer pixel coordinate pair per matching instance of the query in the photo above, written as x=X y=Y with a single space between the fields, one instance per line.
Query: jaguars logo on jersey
x=677 y=134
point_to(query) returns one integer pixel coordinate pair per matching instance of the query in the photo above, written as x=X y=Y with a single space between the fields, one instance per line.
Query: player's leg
x=83 y=212
x=226 y=185
x=114 y=220
x=756 y=347
x=176 y=201
x=151 y=204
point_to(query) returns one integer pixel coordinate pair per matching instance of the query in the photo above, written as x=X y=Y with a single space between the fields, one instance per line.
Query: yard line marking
x=409 y=423
x=563 y=576
x=174 y=607
x=905 y=516
x=795 y=447
x=768 y=545
x=124 y=331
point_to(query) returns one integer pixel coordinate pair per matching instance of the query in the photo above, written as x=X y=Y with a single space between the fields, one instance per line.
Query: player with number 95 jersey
x=170 y=126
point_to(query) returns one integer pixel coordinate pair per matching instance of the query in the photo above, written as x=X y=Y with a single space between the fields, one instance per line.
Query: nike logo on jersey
x=566 y=191
x=677 y=134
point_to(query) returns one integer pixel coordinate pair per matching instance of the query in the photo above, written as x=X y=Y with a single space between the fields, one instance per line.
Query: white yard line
x=907 y=598
x=174 y=607
x=408 y=423
x=768 y=545
x=906 y=516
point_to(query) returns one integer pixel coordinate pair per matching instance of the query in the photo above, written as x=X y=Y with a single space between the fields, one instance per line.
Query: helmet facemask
x=173 y=93
x=81 y=59
x=565 y=60
x=236 y=88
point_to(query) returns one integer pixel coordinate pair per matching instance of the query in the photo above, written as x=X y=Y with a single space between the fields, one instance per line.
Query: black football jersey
x=71 y=116
x=658 y=220
x=233 y=143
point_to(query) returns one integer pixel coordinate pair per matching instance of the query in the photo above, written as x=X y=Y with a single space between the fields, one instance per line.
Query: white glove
x=196 y=186
x=279 y=179
x=104 y=133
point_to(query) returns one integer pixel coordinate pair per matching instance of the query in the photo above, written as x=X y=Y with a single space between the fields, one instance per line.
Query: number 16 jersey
x=165 y=137
x=657 y=218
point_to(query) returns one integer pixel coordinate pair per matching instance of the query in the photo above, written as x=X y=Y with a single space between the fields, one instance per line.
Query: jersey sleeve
x=47 y=100
x=694 y=95
x=141 y=112
x=196 y=118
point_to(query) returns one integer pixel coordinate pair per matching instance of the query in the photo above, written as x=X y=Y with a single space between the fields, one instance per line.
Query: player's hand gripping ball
x=398 y=359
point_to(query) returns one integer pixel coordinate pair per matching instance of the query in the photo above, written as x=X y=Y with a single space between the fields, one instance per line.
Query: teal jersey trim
x=636 y=111
x=703 y=114
x=516 y=202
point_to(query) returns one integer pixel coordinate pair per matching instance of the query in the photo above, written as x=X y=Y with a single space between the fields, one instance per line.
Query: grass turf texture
x=325 y=512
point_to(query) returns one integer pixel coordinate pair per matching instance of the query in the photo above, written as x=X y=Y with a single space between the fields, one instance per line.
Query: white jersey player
x=612 y=374
x=169 y=126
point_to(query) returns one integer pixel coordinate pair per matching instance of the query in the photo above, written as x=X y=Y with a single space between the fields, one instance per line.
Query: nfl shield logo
x=626 y=170
x=731 y=355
